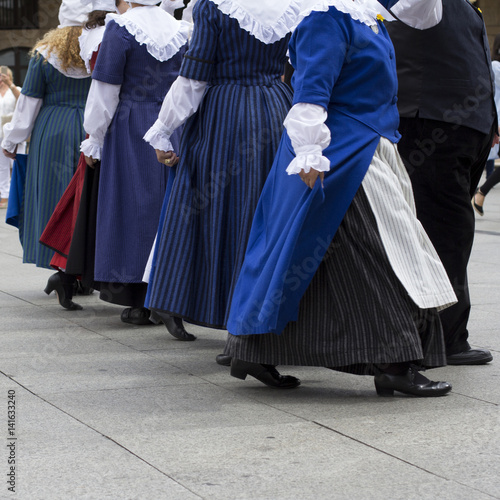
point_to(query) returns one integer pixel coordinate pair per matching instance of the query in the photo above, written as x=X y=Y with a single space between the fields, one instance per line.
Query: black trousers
x=492 y=181
x=445 y=163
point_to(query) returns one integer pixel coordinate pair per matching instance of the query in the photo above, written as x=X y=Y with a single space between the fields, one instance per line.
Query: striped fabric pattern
x=409 y=249
x=221 y=52
x=355 y=312
x=53 y=153
x=227 y=150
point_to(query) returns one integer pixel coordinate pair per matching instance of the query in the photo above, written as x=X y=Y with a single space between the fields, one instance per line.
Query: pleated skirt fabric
x=226 y=153
x=355 y=313
x=59 y=230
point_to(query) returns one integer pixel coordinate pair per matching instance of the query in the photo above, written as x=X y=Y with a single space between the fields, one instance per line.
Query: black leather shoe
x=267 y=374
x=174 y=326
x=223 y=360
x=62 y=284
x=136 y=316
x=411 y=382
x=470 y=357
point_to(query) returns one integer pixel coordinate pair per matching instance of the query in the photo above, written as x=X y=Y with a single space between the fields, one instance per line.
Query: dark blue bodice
x=347 y=67
x=221 y=53
x=122 y=61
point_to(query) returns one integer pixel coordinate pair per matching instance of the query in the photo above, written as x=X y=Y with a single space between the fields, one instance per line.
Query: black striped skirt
x=354 y=314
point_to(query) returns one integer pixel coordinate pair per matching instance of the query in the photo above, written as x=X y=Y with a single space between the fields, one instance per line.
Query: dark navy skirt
x=226 y=153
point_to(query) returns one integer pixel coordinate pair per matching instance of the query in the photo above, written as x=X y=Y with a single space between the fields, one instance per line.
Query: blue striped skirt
x=226 y=152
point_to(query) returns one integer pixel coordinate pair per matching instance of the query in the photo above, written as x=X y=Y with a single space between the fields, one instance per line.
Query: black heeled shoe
x=223 y=360
x=411 y=382
x=478 y=208
x=62 y=284
x=267 y=374
x=174 y=326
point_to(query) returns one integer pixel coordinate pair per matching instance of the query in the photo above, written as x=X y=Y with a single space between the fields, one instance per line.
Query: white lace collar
x=89 y=42
x=267 y=20
x=54 y=61
x=364 y=11
x=159 y=31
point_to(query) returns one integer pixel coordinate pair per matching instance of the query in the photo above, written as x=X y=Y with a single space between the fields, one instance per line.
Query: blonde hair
x=64 y=42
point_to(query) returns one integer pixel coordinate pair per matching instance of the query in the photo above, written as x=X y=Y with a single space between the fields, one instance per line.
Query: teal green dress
x=53 y=152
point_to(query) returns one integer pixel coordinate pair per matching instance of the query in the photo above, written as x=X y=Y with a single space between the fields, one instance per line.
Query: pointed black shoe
x=478 y=208
x=223 y=360
x=174 y=326
x=411 y=382
x=267 y=374
x=62 y=284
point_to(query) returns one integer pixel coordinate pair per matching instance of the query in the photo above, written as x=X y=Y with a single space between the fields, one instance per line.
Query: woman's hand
x=311 y=177
x=6 y=79
x=90 y=161
x=168 y=158
x=12 y=155
x=496 y=138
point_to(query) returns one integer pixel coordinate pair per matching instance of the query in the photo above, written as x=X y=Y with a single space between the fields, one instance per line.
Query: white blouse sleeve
x=496 y=72
x=102 y=102
x=181 y=102
x=305 y=125
x=23 y=120
x=419 y=14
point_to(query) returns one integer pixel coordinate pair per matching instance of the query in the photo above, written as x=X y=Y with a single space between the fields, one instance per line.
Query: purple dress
x=132 y=183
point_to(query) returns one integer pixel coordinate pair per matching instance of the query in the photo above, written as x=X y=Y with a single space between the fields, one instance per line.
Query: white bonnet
x=107 y=5
x=73 y=13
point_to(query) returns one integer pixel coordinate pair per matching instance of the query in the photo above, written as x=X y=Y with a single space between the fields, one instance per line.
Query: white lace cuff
x=308 y=157
x=159 y=137
x=91 y=147
x=8 y=146
x=102 y=102
x=309 y=135
x=181 y=102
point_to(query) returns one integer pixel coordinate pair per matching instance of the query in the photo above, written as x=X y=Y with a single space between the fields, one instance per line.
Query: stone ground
x=106 y=410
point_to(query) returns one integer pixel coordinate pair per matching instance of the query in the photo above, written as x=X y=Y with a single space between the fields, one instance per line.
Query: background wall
x=26 y=37
x=16 y=43
x=491 y=12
